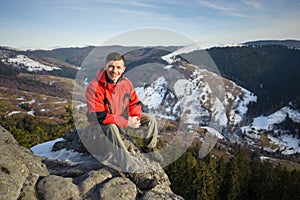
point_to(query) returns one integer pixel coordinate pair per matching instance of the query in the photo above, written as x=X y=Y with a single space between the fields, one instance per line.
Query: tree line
x=244 y=176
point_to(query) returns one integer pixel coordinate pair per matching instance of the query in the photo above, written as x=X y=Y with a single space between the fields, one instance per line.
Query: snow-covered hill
x=279 y=139
x=18 y=61
x=31 y=65
x=209 y=101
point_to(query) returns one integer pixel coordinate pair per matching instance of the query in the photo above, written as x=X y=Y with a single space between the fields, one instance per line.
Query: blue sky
x=51 y=23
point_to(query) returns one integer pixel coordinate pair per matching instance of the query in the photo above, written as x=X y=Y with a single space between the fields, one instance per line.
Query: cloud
x=215 y=6
x=224 y=8
x=145 y=5
x=133 y=3
x=253 y=4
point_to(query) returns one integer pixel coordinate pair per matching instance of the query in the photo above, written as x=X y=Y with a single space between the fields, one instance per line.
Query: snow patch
x=267 y=122
x=13 y=113
x=68 y=156
x=171 y=57
x=31 y=112
x=30 y=64
x=214 y=132
x=153 y=96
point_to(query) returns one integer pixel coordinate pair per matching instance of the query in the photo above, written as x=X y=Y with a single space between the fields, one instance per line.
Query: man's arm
x=135 y=105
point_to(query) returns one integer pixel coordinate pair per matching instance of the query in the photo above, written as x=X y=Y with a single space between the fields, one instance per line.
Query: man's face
x=115 y=69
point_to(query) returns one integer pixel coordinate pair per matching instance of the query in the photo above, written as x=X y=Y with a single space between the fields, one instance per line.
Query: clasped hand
x=134 y=122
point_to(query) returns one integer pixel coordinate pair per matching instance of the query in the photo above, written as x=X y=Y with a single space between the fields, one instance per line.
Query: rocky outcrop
x=26 y=176
x=20 y=170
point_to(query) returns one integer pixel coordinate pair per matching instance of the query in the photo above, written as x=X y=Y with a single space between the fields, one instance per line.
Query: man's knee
x=110 y=130
x=111 y=127
x=148 y=119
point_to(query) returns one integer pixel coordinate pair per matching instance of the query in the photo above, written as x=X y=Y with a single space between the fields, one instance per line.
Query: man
x=113 y=103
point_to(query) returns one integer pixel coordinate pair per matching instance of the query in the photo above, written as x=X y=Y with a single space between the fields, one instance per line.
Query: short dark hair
x=114 y=57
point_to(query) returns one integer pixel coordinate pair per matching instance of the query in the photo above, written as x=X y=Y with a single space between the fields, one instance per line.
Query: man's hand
x=134 y=122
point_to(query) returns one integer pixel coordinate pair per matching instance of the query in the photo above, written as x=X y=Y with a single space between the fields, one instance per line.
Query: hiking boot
x=153 y=153
x=141 y=181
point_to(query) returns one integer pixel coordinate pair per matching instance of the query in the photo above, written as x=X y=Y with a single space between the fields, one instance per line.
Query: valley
x=176 y=90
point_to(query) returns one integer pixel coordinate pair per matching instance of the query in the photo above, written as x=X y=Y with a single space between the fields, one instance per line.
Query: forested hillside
x=241 y=175
x=271 y=72
x=74 y=55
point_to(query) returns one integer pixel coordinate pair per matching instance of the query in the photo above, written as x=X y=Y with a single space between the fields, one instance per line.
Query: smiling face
x=115 y=69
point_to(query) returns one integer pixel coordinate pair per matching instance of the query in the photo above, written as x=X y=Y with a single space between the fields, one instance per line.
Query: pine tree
x=210 y=184
x=233 y=184
x=244 y=171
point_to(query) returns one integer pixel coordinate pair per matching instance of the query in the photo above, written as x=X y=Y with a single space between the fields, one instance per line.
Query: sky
x=59 y=23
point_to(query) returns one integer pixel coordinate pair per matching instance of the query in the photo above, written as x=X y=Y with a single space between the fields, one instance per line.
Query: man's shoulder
x=126 y=81
x=94 y=84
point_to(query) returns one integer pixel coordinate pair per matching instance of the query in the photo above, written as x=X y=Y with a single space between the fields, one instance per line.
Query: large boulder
x=26 y=176
x=19 y=169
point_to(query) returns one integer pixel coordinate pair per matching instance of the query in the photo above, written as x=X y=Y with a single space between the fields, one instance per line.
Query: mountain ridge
x=292 y=43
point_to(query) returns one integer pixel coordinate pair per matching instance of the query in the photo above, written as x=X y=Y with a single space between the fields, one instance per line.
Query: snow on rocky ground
x=13 y=112
x=153 y=96
x=196 y=102
x=240 y=104
x=267 y=122
x=64 y=155
x=171 y=57
x=29 y=64
x=286 y=143
x=238 y=99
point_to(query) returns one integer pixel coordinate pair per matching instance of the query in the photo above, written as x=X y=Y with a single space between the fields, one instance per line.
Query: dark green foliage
x=288 y=43
x=29 y=130
x=238 y=178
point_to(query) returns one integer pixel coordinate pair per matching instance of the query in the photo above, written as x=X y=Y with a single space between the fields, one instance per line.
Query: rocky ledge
x=24 y=175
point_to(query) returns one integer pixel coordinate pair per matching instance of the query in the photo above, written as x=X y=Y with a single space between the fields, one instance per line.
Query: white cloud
x=142 y=4
x=215 y=6
x=253 y=4
x=135 y=3
x=228 y=8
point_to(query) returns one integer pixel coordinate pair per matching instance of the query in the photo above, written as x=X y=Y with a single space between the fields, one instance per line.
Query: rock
x=12 y=177
x=161 y=191
x=162 y=196
x=72 y=141
x=87 y=181
x=19 y=168
x=6 y=137
x=118 y=188
x=28 y=192
x=54 y=187
x=25 y=176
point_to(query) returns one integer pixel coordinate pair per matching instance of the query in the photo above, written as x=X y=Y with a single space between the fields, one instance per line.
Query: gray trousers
x=117 y=147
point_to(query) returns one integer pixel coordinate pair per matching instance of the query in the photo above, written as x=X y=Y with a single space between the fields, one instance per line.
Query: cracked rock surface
x=24 y=175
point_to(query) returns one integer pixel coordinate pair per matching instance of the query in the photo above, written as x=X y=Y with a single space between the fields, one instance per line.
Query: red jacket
x=111 y=104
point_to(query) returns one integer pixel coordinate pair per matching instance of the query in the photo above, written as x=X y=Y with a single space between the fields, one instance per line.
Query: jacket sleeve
x=135 y=105
x=94 y=99
x=120 y=121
